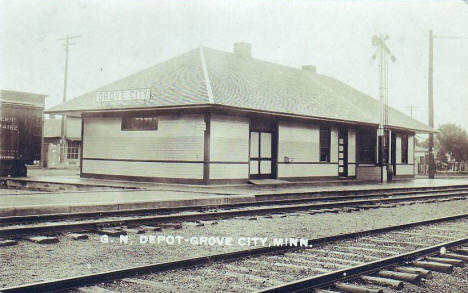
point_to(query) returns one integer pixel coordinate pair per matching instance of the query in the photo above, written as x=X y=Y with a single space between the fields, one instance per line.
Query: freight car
x=21 y=116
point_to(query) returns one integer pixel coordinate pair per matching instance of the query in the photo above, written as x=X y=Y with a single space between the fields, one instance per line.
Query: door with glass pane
x=261 y=159
x=343 y=152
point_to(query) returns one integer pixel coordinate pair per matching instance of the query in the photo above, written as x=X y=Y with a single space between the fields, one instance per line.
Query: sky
x=121 y=37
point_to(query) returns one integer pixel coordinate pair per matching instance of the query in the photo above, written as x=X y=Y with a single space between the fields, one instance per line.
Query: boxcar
x=21 y=120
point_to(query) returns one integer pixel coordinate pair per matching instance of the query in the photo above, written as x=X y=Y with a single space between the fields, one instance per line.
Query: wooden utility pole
x=67 y=44
x=431 y=171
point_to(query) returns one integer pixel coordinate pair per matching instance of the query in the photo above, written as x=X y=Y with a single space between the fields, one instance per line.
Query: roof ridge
x=206 y=76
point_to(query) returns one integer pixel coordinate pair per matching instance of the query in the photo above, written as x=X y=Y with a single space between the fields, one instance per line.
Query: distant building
x=52 y=137
x=421 y=156
x=210 y=116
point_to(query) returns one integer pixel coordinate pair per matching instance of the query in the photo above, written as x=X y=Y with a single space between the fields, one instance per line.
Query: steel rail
x=303 y=197
x=327 y=279
x=93 y=225
x=372 y=190
x=90 y=279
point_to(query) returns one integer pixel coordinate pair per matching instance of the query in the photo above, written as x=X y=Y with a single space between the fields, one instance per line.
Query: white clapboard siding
x=404 y=170
x=351 y=170
x=229 y=139
x=298 y=141
x=411 y=149
x=307 y=170
x=368 y=173
x=398 y=149
x=351 y=152
x=351 y=145
x=229 y=171
x=144 y=169
x=334 y=145
x=177 y=138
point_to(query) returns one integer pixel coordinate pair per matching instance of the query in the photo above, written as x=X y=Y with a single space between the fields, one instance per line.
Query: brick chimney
x=243 y=49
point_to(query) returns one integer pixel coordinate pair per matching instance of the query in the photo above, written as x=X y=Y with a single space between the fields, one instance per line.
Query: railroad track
x=66 y=222
x=260 y=200
x=321 y=205
x=392 y=256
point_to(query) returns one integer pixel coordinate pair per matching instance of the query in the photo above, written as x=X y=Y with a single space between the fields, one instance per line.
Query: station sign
x=124 y=95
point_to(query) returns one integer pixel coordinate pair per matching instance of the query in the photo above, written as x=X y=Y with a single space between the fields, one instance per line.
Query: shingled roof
x=207 y=76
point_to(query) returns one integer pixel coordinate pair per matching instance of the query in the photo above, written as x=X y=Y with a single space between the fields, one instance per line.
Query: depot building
x=210 y=116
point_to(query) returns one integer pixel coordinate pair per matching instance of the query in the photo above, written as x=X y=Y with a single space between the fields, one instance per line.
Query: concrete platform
x=161 y=195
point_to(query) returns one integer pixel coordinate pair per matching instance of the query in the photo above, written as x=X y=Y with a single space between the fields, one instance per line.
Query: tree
x=453 y=140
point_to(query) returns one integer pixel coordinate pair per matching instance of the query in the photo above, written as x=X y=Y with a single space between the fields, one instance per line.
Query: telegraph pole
x=67 y=44
x=432 y=169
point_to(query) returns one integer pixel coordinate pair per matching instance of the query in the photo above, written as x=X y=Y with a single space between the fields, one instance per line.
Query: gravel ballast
x=30 y=262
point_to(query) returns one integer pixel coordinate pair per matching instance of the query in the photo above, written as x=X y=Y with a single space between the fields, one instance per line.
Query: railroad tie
x=413 y=270
x=455 y=262
x=324 y=291
x=78 y=236
x=403 y=243
x=93 y=289
x=372 y=250
x=350 y=254
x=111 y=232
x=462 y=250
x=384 y=281
x=408 y=277
x=148 y=283
x=42 y=239
x=435 y=266
x=351 y=288
x=8 y=243
x=446 y=229
x=455 y=256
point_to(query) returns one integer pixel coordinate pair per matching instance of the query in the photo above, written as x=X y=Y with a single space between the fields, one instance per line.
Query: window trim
x=328 y=146
x=74 y=146
x=125 y=125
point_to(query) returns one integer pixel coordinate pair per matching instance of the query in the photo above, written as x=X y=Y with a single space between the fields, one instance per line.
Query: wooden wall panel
x=144 y=169
x=351 y=170
x=229 y=139
x=351 y=151
x=334 y=145
x=398 y=149
x=352 y=145
x=298 y=141
x=411 y=149
x=404 y=170
x=229 y=171
x=307 y=170
x=177 y=138
x=368 y=173
x=73 y=127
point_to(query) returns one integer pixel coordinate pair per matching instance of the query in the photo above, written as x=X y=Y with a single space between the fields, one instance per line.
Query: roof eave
x=233 y=108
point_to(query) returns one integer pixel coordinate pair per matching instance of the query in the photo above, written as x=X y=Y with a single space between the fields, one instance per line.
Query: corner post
x=206 y=151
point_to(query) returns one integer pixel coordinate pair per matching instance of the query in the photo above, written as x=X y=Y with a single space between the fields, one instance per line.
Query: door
x=261 y=158
x=343 y=152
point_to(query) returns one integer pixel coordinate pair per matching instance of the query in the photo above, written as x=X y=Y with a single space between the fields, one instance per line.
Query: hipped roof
x=207 y=76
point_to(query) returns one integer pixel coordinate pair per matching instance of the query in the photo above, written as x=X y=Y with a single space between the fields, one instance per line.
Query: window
x=139 y=123
x=367 y=141
x=324 y=144
x=404 y=149
x=73 y=150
